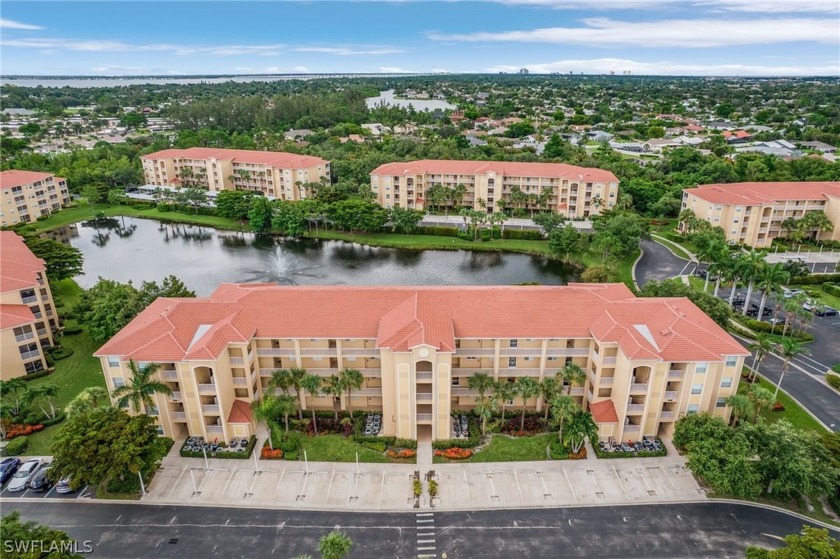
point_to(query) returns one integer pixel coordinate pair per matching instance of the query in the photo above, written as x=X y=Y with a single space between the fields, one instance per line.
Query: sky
x=643 y=37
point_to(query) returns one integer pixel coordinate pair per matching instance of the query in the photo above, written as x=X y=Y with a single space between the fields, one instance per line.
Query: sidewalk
x=388 y=487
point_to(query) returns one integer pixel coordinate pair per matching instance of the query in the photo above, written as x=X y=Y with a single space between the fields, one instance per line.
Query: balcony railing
x=276 y=352
x=368 y=392
x=319 y=352
x=237 y=361
x=638 y=387
x=30 y=354
x=212 y=409
x=567 y=351
x=667 y=416
x=240 y=381
x=632 y=429
x=676 y=374
x=176 y=396
x=424 y=375
x=424 y=418
x=635 y=408
x=609 y=361
x=26 y=336
x=464 y=392
x=532 y=351
x=207 y=388
x=474 y=351
x=607 y=381
x=425 y=396
x=169 y=374
x=576 y=391
x=215 y=430
x=30 y=299
x=41 y=331
x=359 y=351
x=178 y=416
x=671 y=396
x=519 y=372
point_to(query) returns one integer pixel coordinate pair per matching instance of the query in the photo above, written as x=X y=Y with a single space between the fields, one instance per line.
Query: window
x=514 y=343
x=731 y=360
x=456 y=381
x=552 y=358
x=701 y=367
x=720 y=403
x=118 y=381
x=33 y=366
x=113 y=361
x=696 y=388
x=692 y=409
x=726 y=382
x=511 y=361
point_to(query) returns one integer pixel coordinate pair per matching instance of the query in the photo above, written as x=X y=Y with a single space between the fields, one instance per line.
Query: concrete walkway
x=388 y=487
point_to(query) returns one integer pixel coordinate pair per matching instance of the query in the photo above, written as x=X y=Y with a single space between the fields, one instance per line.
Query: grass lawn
x=793 y=412
x=72 y=374
x=676 y=248
x=335 y=448
x=507 y=449
x=823 y=297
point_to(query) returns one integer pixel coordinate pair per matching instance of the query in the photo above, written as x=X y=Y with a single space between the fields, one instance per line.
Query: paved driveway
x=658 y=263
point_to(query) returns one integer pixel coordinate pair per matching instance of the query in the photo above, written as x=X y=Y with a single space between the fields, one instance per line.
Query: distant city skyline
x=642 y=37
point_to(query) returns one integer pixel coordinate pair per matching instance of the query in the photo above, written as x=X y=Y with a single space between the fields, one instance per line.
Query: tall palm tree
x=46 y=391
x=528 y=388
x=296 y=376
x=720 y=268
x=141 y=387
x=761 y=398
x=562 y=408
x=550 y=389
x=481 y=382
x=505 y=391
x=334 y=388
x=581 y=425
x=484 y=408
x=571 y=374
x=265 y=410
x=88 y=399
x=334 y=545
x=742 y=407
x=760 y=348
x=770 y=279
x=788 y=348
x=286 y=405
x=281 y=379
x=16 y=387
x=312 y=385
x=351 y=379
x=710 y=254
x=750 y=266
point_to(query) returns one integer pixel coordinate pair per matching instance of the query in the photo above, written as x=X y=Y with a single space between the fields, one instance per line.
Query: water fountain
x=283 y=268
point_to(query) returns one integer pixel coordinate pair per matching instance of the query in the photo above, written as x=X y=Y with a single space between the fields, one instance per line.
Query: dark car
x=8 y=467
x=40 y=481
x=826 y=311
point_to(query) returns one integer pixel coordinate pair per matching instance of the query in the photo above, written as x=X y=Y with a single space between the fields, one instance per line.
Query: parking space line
x=230 y=477
x=50 y=491
x=280 y=481
x=571 y=487
x=621 y=482
x=82 y=492
x=519 y=487
x=177 y=481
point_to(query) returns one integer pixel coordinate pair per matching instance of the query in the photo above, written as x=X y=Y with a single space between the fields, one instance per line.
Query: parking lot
x=83 y=493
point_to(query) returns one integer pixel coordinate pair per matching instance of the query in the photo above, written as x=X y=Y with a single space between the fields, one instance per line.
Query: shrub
x=16 y=430
x=62 y=353
x=557 y=450
x=836 y=368
x=268 y=454
x=778 y=406
x=433 y=488
x=831 y=289
x=39 y=374
x=815 y=279
x=378 y=447
x=833 y=380
x=387 y=441
x=55 y=421
x=522 y=234
x=406 y=443
x=455 y=453
x=17 y=446
x=72 y=330
x=418 y=487
x=437 y=231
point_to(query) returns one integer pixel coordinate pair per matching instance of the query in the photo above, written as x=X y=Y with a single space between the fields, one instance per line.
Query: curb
x=633 y=269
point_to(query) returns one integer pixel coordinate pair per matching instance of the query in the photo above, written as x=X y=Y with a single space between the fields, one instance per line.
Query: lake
x=387 y=97
x=125 y=249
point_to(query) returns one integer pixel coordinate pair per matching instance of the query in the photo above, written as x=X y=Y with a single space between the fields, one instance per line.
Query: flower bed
x=400 y=454
x=533 y=426
x=268 y=454
x=454 y=453
x=558 y=451
x=19 y=429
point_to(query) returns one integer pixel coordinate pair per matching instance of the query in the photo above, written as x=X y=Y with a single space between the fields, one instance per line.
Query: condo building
x=648 y=361
x=28 y=195
x=277 y=175
x=491 y=186
x=752 y=213
x=27 y=315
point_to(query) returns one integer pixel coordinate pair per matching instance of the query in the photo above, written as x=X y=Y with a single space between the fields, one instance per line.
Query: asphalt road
x=667 y=530
x=658 y=263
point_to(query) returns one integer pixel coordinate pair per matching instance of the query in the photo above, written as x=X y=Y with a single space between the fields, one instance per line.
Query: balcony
x=276 y=352
x=29 y=300
x=675 y=374
x=671 y=396
x=424 y=418
x=425 y=396
x=632 y=430
x=607 y=361
x=530 y=351
x=319 y=352
x=520 y=372
x=464 y=392
x=211 y=409
x=169 y=374
x=240 y=381
x=28 y=336
x=215 y=430
x=178 y=416
x=354 y=351
x=635 y=409
x=207 y=388
x=237 y=361
x=175 y=396
x=607 y=381
x=474 y=351
x=638 y=388
x=368 y=392
x=576 y=391
x=667 y=416
x=567 y=351
x=424 y=376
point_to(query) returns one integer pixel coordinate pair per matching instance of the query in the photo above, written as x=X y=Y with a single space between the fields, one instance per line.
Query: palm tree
x=141 y=388
x=16 y=387
x=334 y=388
x=505 y=391
x=266 y=410
x=351 y=379
x=550 y=389
x=481 y=382
x=742 y=407
x=720 y=267
x=762 y=346
x=296 y=375
x=45 y=391
x=334 y=545
x=562 y=408
x=789 y=349
x=280 y=379
x=312 y=385
x=286 y=404
x=770 y=279
x=571 y=374
x=88 y=399
x=750 y=267
x=711 y=253
x=484 y=408
x=528 y=388
x=761 y=397
x=581 y=425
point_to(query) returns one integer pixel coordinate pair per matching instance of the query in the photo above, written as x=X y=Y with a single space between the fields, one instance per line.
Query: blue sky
x=677 y=37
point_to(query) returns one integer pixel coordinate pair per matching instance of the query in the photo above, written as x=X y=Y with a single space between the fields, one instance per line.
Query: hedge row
x=38 y=374
x=766 y=327
x=815 y=279
x=833 y=380
x=437 y=231
x=831 y=289
x=522 y=234
x=55 y=421
x=18 y=445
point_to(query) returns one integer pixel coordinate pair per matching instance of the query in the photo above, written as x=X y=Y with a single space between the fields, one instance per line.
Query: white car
x=791 y=293
x=810 y=305
x=24 y=475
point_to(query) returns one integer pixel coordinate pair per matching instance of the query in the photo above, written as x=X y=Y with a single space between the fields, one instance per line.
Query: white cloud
x=117 y=69
x=773 y=6
x=683 y=33
x=279 y=70
x=351 y=51
x=395 y=70
x=589 y=4
x=667 y=68
x=10 y=24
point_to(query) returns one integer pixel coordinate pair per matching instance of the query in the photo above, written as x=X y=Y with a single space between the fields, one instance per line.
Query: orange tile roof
x=12 y=177
x=18 y=266
x=278 y=159
x=15 y=315
x=240 y=412
x=604 y=412
x=506 y=168
x=756 y=193
x=401 y=318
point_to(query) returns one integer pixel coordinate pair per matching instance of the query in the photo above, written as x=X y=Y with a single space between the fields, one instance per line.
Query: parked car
x=825 y=311
x=39 y=481
x=809 y=305
x=753 y=310
x=791 y=293
x=704 y=273
x=63 y=486
x=24 y=475
x=8 y=467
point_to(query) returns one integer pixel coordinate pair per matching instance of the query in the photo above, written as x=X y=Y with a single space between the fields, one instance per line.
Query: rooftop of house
x=13 y=177
x=504 y=168
x=18 y=266
x=277 y=159
x=401 y=318
x=756 y=193
x=12 y=316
